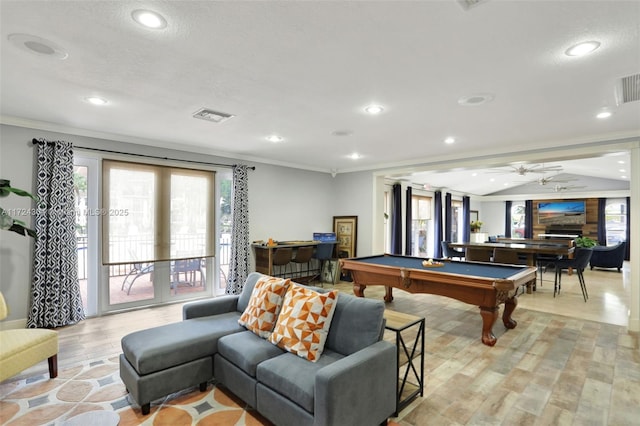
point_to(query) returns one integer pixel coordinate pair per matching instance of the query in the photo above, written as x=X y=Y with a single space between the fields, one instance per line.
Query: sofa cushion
x=173 y=344
x=304 y=321
x=264 y=306
x=294 y=377
x=361 y=323
x=246 y=350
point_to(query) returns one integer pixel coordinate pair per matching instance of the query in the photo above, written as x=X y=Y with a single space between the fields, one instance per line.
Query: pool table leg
x=388 y=293
x=489 y=317
x=509 y=305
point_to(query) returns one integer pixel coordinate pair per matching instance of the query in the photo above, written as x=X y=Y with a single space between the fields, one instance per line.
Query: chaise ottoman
x=161 y=360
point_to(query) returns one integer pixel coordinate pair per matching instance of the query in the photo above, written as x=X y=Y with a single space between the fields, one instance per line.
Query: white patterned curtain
x=55 y=292
x=239 y=262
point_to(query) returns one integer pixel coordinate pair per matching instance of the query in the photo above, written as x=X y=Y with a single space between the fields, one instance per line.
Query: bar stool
x=281 y=258
x=324 y=252
x=303 y=256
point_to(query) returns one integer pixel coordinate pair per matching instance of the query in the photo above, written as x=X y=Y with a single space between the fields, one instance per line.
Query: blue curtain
x=528 y=219
x=507 y=219
x=447 y=217
x=407 y=221
x=627 y=255
x=466 y=215
x=396 y=222
x=437 y=224
x=239 y=257
x=602 y=222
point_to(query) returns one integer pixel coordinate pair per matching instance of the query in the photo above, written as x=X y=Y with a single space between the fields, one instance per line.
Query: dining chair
x=449 y=252
x=579 y=262
x=506 y=256
x=477 y=254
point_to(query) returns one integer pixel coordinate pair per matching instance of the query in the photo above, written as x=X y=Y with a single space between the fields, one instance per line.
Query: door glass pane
x=616 y=221
x=226 y=219
x=517 y=220
x=189 y=202
x=80 y=189
x=131 y=234
x=420 y=215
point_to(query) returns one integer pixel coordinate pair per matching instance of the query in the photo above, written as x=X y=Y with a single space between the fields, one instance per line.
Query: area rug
x=96 y=385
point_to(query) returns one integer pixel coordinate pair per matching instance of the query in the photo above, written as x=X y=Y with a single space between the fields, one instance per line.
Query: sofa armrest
x=205 y=308
x=359 y=389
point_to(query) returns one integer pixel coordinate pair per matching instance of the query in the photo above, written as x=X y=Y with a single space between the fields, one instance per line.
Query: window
x=456 y=221
x=518 y=215
x=154 y=213
x=420 y=217
x=616 y=220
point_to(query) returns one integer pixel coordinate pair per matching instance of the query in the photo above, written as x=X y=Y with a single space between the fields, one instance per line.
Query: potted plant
x=586 y=242
x=6 y=221
x=476 y=225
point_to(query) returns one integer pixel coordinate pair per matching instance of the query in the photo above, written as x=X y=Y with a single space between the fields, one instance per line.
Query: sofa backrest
x=249 y=284
x=357 y=323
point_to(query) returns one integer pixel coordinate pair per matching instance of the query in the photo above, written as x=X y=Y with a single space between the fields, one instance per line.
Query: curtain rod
x=36 y=141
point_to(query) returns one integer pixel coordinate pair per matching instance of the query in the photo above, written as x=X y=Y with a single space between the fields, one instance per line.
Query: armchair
x=23 y=348
x=608 y=257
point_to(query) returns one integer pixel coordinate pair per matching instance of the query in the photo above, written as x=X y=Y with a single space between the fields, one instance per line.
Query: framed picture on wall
x=346 y=229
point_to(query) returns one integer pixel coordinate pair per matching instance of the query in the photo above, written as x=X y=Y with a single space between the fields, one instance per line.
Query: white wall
x=284 y=203
x=352 y=195
x=492 y=217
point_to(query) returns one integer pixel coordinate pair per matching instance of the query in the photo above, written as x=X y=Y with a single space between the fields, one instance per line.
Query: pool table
x=482 y=284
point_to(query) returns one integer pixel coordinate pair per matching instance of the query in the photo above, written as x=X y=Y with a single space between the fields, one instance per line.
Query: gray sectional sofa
x=353 y=382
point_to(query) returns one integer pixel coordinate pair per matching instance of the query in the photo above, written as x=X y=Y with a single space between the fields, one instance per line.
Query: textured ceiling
x=305 y=70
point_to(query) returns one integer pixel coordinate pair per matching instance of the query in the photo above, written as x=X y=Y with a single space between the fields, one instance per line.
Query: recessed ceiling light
x=149 y=19
x=622 y=171
x=449 y=140
x=604 y=114
x=94 y=100
x=373 y=109
x=583 y=48
x=355 y=156
x=477 y=99
x=275 y=138
x=38 y=46
x=623 y=177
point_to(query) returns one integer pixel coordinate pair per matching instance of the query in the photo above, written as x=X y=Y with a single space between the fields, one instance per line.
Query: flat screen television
x=562 y=213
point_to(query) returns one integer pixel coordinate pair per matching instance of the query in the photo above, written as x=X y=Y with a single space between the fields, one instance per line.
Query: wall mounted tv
x=562 y=213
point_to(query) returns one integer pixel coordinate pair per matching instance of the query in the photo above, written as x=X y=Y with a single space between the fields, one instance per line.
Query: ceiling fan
x=545 y=180
x=522 y=170
x=561 y=188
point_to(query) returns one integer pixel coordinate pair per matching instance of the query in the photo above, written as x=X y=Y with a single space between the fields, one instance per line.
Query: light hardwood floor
x=567 y=362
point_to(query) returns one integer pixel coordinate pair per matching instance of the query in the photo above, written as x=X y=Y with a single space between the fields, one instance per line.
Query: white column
x=634 y=305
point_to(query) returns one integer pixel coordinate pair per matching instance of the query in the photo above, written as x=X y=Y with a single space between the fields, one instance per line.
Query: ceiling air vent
x=628 y=89
x=211 y=115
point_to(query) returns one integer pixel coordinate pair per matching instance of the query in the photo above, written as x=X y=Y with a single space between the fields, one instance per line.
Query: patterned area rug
x=96 y=385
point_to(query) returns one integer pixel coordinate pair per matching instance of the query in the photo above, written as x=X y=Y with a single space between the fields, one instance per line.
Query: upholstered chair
x=23 y=348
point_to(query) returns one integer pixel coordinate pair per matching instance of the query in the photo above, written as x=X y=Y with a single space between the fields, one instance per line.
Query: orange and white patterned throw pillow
x=264 y=305
x=303 y=324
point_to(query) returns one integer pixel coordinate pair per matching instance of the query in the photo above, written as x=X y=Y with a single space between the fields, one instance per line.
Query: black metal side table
x=412 y=382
